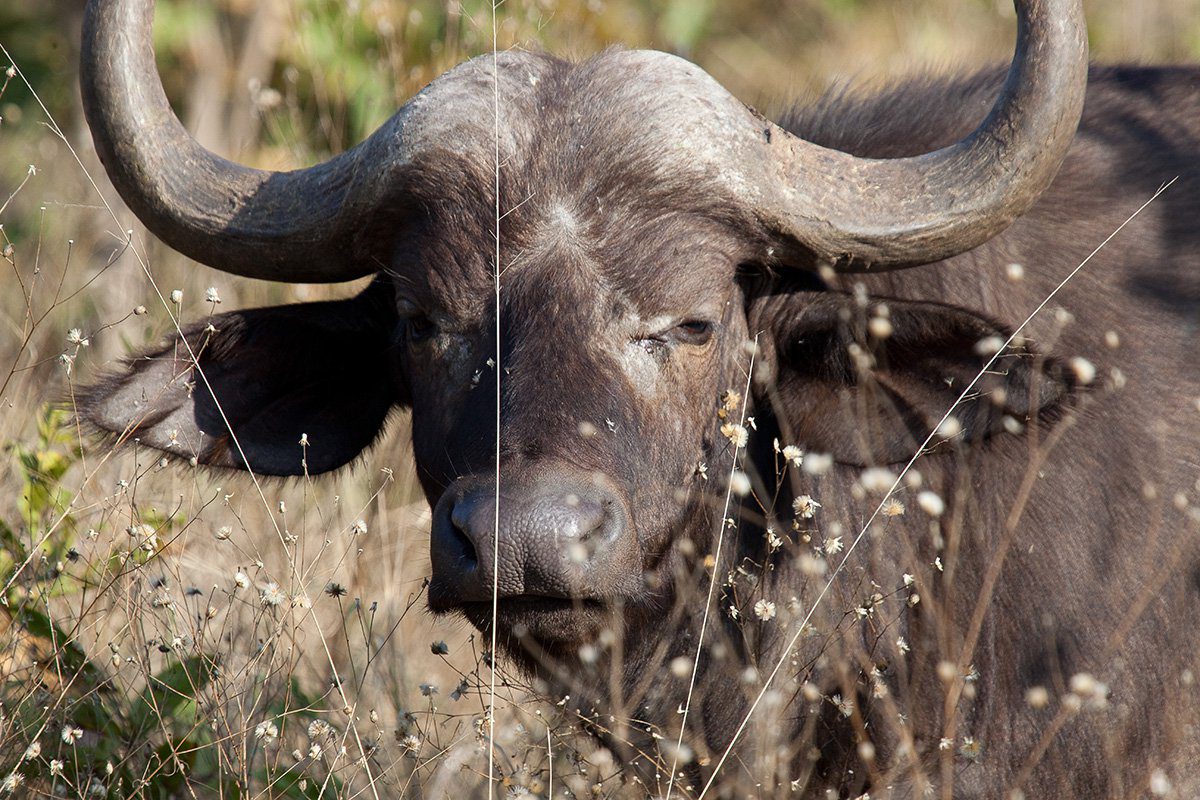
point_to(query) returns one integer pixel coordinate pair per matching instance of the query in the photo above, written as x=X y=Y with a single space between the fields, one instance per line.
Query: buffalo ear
x=871 y=399
x=321 y=369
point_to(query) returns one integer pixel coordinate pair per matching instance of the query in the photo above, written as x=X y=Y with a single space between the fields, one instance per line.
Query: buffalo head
x=570 y=260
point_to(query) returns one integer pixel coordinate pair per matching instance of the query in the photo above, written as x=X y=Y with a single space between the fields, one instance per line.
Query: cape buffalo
x=680 y=337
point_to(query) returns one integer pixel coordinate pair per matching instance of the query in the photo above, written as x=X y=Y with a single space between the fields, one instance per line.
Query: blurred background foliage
x=318 y=75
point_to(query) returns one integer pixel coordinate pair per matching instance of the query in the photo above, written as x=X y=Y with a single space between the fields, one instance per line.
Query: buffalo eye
x=420 y=328
x=694 y=331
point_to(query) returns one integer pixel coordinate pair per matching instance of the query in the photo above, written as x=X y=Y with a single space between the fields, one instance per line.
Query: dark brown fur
x=1096 y=564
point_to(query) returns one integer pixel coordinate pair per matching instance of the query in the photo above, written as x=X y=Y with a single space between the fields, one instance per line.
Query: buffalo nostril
x=469 y=558
x=583 y=525
x=583 y=519
x=459 y=520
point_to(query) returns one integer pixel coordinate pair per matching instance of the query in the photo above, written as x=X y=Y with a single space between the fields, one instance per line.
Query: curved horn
x=287 y=226
x=880 y=214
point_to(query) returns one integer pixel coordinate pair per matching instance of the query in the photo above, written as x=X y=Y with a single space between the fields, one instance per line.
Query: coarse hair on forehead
x=618 y=214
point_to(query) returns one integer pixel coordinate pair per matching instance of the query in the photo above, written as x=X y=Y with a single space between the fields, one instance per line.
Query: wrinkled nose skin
x=560 y=537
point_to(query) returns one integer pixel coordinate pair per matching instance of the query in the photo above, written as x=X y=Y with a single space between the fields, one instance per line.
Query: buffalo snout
x=563 y=535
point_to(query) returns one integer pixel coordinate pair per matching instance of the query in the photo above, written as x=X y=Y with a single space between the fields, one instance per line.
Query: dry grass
x=210 y=636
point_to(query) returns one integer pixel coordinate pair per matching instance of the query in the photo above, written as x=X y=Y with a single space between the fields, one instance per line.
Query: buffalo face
x=618 y=327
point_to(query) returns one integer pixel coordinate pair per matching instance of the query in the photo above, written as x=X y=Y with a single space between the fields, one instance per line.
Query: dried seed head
x=1160 y=784
x=773 y=540
x=877 y=479
x=931 y=503
x=1085 y=371
x=267 y=732
x=949 y=428
x=1037 y=697
x=1085 y=684
x=271 y=595
x=989 y=346
x=810 y=566
x=817 y=463
x=764 y=610
x=735 y=433
x=860 y=294
x=794 y=455
x=805 y=507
